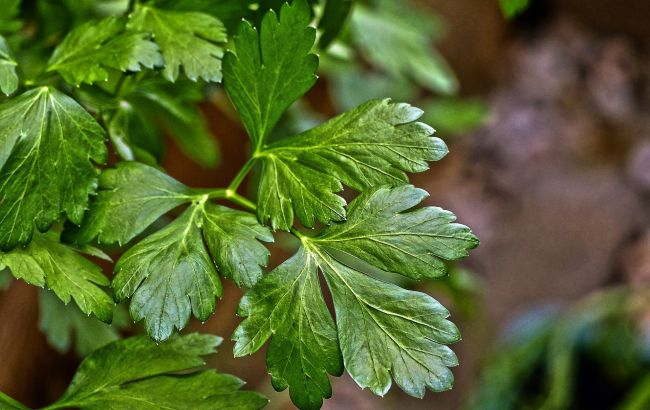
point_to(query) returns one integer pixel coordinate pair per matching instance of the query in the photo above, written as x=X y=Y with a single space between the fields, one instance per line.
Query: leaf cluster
x=131 y=73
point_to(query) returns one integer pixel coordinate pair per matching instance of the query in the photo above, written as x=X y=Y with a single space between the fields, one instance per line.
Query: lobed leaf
x=173 y=272
x=191 y=40
x=270 y=70
x=47 y=145
x=47 y=262
x=374 y=144
x=138 y=373
x=382 y=332
x=88 y=50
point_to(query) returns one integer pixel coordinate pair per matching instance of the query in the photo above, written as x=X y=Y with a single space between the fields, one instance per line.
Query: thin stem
x=119 y=86
x=242 y=201
x=236 y=182
x=219 y=193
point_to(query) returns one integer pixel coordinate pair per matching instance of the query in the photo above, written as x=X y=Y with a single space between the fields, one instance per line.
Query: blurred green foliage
x=595 y=355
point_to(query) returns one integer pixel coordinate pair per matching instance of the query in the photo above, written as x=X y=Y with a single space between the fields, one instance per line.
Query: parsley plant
x=134 y=71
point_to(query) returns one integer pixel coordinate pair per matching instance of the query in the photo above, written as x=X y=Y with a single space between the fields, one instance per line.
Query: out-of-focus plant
x=595 y=355
x=388 y=49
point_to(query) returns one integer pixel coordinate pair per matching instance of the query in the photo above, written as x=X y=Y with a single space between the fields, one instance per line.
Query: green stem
x=242 y=201
x=221 y=193
x=239 y=178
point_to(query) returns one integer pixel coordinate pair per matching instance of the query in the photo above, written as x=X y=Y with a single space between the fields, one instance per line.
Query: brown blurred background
x=556 y=185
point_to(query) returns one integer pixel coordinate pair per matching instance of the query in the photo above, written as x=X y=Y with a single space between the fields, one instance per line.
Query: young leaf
x=88 y=50
x=63 y=325
x=8 y=76
x=138 y=373
x=382 y=330
x=375 y=144
x=47 y=143
x=188 y=39
x=268 y=71
x=131 y=197
x=169 y=274
x=47 y=262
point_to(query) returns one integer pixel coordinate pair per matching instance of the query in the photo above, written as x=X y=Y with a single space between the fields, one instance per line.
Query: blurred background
x=546 y=109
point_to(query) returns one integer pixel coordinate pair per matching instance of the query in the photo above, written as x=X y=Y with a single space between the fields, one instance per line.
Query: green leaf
x=399 y=41
x=47 y=262
x=375 y=144
x=456 y=116
x=169 y=274
x=87 y=51
x=289 y=305
x=7 y=403
x=512 y=8
x=47 y=145
x=133 y=136
x=271 y=69
x=188 y=39
x=233 y=239
x=179 y=115
x=138 y=373
x=67 y=325
x=8 y=76
x=414 y=244
x=131 y=197
x=332 y=21
x=172 y=272
x=8 y=19
x=231 y=12
x=384 y=332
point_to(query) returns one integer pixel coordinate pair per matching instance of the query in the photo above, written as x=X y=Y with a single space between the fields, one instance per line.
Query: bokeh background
x=547 y=116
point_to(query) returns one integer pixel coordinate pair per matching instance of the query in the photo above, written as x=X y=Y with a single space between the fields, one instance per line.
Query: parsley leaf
x=233 y=239
x=399 y=43
x=88 y=50
x=169 y=274
x=63 y=325
x=8 y=76
x=413 y=244
x=47 y=142
x=138 y=373
x=382 y=330
x=47 y=262
x=172 y=272
x=189 y=39
x=288 y=304
x=374 y=144
x=131 y=197
x=268 y=71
